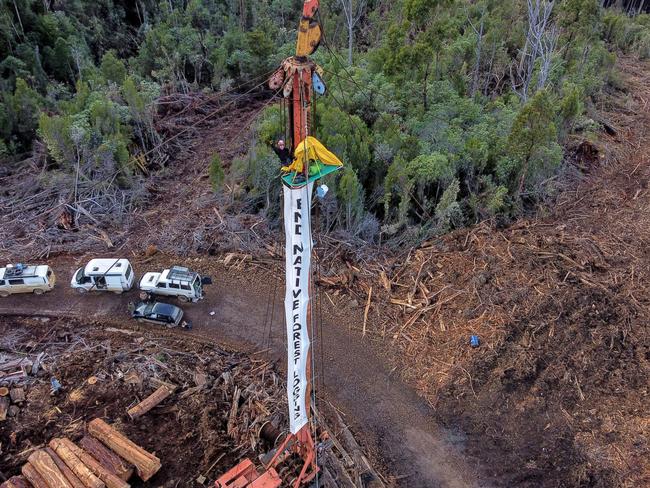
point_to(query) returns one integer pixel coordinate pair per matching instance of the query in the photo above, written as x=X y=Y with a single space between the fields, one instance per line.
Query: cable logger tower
x=299 y=78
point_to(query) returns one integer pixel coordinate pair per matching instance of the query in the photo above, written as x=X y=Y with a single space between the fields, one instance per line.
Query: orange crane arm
x=295 y=75
x=309 y=30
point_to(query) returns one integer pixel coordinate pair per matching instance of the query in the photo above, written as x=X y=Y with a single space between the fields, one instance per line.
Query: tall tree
x=353 y=10
x=541 y=40
x=533 y=139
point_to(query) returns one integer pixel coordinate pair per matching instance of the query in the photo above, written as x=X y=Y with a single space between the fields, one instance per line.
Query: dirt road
x=389 y=417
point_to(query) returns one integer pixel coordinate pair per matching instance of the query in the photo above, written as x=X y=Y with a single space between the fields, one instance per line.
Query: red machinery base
x=247 y=475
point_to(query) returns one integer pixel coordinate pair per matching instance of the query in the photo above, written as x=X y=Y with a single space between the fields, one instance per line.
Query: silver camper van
x=114 y=275
x=179 y=282
x=22 y=278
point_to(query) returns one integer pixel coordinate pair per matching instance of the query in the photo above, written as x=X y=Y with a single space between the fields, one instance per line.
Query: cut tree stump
x=146 y=464
x=110 y=479
x=48 y=470
x=107 y=458
x=33 y=476
x=74 y=463
x=67 y=472
x=151 y=401
x=16 y=482
x=17 y=395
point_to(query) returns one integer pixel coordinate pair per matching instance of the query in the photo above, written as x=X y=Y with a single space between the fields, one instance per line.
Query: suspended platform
x=317 y=170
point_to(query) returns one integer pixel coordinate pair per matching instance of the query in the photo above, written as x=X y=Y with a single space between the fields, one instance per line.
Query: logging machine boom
x=298 y=77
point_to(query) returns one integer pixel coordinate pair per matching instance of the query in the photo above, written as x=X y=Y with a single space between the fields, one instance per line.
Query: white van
x=114 y=275
x=177 y=282
x=21 y=278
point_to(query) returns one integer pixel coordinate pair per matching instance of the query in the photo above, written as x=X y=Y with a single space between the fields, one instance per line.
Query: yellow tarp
x=311 y=149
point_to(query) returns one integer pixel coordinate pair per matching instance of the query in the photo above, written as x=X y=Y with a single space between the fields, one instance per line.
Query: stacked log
x=33 y=476
x=67 y=472
x=109 y=479
x=104 y=459
x=107 y=458
x=146 y=464
x=76 y=465
x=47 y=468
x=16 y=482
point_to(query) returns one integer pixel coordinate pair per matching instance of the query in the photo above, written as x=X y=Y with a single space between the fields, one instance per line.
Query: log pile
x=103 y=459
x=19 y=369
x=10 y=401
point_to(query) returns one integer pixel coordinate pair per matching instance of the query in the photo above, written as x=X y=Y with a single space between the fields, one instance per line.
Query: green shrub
x=350 y=195
x=91 y=132
x=448 y=212
x=21 y=114
x=533 y=143
x=217 y=175
x=629 y=34
x=112 y=68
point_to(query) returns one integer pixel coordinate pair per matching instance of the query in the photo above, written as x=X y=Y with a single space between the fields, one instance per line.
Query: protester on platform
x=283 y=152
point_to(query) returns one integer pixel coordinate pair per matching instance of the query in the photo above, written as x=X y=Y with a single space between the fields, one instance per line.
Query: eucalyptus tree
x=353 y=10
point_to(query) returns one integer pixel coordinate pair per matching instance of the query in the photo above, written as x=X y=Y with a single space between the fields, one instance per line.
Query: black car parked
x=159 y=313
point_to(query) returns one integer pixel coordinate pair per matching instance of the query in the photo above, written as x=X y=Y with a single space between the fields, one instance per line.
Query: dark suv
x=158 y=313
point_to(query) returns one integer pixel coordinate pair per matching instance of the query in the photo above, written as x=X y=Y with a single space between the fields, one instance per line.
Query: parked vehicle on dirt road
x=114 y=275
x=159 y=313
x=22 y=278
x=179 y=282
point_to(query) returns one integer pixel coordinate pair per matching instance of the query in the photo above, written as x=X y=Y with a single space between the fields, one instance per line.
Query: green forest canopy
x=452 y=111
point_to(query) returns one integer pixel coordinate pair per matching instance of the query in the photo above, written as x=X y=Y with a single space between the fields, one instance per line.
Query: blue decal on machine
x=319 y=84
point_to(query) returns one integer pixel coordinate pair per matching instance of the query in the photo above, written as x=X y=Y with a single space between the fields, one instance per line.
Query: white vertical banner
x=297 y=228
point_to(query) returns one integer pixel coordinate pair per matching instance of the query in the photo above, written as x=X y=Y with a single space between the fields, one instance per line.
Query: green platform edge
x=322 y=170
